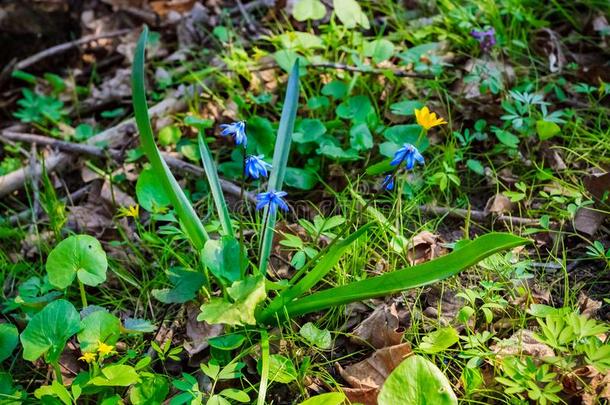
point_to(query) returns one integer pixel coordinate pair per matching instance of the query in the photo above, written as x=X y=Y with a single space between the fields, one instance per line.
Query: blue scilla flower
x=408 y=154
x=388 y=182
x=256 y=166
x=237 y=130
x=273 y=199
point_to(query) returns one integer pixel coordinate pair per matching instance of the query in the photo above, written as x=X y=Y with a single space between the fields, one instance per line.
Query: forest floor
x=152 y=308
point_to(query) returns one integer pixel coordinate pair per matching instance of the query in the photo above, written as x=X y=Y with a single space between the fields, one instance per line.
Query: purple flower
x=408 y=154
x=487 y=39
x=256 y=166
x=273 y=199
x=237 y=130
x=388 y=182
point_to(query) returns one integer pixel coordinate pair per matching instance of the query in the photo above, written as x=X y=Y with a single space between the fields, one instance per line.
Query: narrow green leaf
x=214 y=182
x=183 y=207
x=410 y=277
x=280 y=159
x=317 y=273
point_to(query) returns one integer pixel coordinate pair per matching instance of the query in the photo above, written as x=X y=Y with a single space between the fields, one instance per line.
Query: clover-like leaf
x=246 y=293
x=80 y=255
x=49 y=330
x=97 y=327
x=308 y=10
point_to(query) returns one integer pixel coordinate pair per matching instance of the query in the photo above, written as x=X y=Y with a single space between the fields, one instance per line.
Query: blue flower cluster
x=255 y=168
x=407 y=154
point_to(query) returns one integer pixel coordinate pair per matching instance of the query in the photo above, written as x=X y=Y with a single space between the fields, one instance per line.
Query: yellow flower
x=132 y=211
x=428 y=119
x=103 y=349
x=88 y=357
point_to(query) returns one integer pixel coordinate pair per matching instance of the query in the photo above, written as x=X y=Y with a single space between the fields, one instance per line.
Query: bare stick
x=112 y=137
x=61 y=48
x=370 y=70
x=90 y=150
x=75 y=148
x=479 y=216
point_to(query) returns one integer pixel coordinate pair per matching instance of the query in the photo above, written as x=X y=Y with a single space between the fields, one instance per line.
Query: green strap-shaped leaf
x=410 y=277
x=183 y=207
x=280 y=159
x=317 y=273
x=212 y=175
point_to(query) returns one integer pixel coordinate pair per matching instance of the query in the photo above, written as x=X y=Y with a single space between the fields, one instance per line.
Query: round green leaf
x=308 y=10
x=439 y=340
x=317 y=337
x=100 y=326
x=49 y=330
x=9 y=337
x=350 y=14
x=300 y=178
x=281 y=369
x=416 y=381
x=361 y=137
x=150 y=391
x=169 y=135
x=150 y=191
x=80 y=255
x=546 y=129
x=118 y=375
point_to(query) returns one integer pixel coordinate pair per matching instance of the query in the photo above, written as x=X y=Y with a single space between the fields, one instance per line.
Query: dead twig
x=478 y=216
x=90 y=150
x=61 y=48
x=112 y=137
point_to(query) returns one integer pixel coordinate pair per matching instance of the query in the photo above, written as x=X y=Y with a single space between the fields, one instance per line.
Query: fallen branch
x=478 y=216
x=112 y=137
x=95 y=151
x=61 y=48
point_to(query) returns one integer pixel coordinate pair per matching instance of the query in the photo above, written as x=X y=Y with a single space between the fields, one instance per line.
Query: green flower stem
x=83 y=294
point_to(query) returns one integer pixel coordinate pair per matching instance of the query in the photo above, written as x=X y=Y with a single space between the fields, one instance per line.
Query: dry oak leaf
x=423 y=247
x=367 y=376
x=380 y=329
x=199 y=332
x=588 y=306
x=498 y=204
x=522 y=342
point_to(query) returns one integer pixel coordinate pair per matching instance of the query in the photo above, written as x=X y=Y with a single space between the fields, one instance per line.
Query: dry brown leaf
x=599 y=390
x=380 y=329
x=163 y=7
x=447 y=302
x=367 y=376
x=588 y=220
x=588 y=306
x=423 y=247
x=199 y=332
x=498 y=204
x=522 y=342
x=115 y=197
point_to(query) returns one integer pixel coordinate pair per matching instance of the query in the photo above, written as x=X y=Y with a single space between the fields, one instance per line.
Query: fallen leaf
x=588 y=306
x=163 y=7
x=588 y=221
x=115 y=197
x=199 y=332
x=599 y=391
x=380 y=329
x=367 y=377
x=523 y=343
x=498 y=204
x=423 y=247
x=448 y=303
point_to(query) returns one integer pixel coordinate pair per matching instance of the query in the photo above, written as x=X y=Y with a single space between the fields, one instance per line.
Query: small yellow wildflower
x=103 y=349
x=132 y=211
x=428 y=119
x=88 y=357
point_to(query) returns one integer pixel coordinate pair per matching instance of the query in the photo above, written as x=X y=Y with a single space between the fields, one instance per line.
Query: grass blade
x=317 y=273
x=183 y=207
x=409 y=277
x=214 y=182
x=262 y=388
x=280 y=159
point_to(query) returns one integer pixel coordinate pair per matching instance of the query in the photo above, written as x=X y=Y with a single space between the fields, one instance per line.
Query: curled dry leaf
x=423 y=247
x=588 y=306
x=198 y=332
x=367 y=376
x=380 y=329
x=524 y=343
x=498 y=204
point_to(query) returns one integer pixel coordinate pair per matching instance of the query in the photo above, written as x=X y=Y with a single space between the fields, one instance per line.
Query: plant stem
x=83 y=294
x=57 y=369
